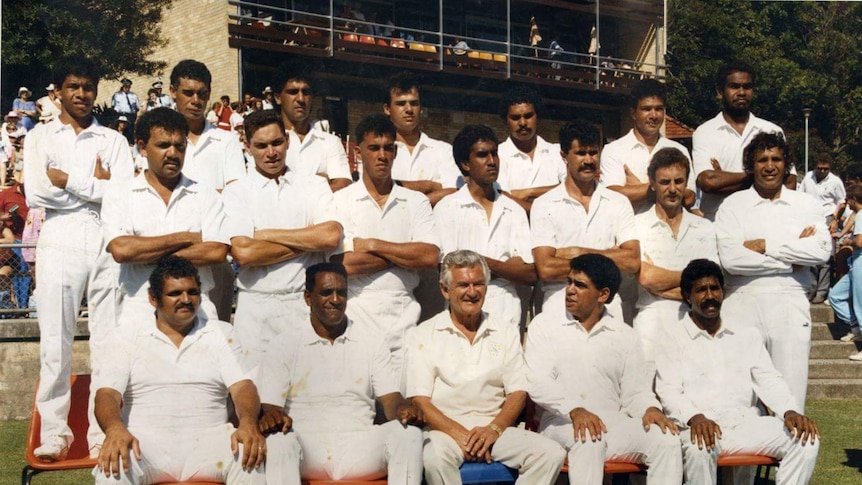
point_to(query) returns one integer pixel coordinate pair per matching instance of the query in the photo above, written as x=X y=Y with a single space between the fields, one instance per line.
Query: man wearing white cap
x=125 y=102
x=48 y=105
x=268 y=102
x=163 y=99
x=25 y=108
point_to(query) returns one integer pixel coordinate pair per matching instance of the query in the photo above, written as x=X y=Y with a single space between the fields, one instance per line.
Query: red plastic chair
x=344 y=482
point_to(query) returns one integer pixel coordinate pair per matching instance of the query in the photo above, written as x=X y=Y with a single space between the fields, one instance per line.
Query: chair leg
x=27 y=474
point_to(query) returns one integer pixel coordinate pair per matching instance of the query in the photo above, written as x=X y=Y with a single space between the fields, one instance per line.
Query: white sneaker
x=854 y=335
x=856 y=357
x=54 y=449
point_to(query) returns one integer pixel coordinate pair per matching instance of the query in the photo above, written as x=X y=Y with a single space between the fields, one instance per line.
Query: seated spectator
x=465 y=371
x=26 y=108
x=162 y=402
x=710 y=375
x=461 y=47
x=327 y=376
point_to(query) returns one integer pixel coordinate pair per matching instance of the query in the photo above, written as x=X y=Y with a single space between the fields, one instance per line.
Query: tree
x=805 y=54
x=119 y=35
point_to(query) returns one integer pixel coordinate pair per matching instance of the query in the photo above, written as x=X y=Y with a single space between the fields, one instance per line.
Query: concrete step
x=822 y=313
x=834 y=369
x=834 y=388
x=833 y=349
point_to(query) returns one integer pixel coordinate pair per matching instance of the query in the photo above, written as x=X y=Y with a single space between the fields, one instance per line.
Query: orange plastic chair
x=382 y=43
x=344 y=482
x=366 y=39
x=350 y=38
x=398 y=44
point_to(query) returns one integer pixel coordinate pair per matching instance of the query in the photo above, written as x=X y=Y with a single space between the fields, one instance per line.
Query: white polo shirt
x=717 y=139
x=720 y=377
x=406 y=217
x=295 y=202
x=829 y=191
x=467 y=382
x=215 y=159
x=327 y=387
x=559 y=221
x=135 y=209
x=319 y=153
x=517 y=171
x=169 y=388
x=601 y=371
x=695 y=239
x=431 y=160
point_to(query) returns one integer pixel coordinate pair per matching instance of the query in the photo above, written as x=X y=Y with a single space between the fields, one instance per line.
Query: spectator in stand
x=841 y=296
x=48 y=105
x=212 y=114
x=238 y=116
x=26 y=108
x=125 y=102
x=268 y=101
x=164 y=99
x=13 y=214
x=223 y=112
x=535 y=36
x=153 y=101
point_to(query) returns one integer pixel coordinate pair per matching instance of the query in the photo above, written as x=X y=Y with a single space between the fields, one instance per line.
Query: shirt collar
x=602 y=325
x=258 y=180
x=309 y=337
x=694 y=332
x=444 y=323
x=398 y=192
x=464 y=198
x=185 y=184
x=508 y=148
x=95 y=128
x=756 y=199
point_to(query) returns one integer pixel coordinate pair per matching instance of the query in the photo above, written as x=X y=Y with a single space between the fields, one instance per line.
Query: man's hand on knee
x=584 y=421
x=704 y=431
x=115 y=450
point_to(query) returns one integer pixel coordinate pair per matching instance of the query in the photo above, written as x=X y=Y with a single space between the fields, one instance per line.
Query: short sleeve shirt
x=215 y=159
x=517 y=171
x=319 y=153
x=431 y=160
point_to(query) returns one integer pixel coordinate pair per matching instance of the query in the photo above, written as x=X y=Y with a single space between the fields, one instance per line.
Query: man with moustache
x=161 y=212
x=768 y=236
x=389 y=236
x=710 y=374
x=718 y=143
x=585 y=369
x=478 y=217
x=282 y=223
x=318 y=387
x=581 y=216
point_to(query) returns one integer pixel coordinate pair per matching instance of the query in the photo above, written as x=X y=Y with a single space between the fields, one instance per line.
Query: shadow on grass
x=854 y=459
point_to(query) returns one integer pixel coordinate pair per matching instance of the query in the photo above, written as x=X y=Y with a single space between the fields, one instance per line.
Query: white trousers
x=625 y=440
x=760 y=435
x=390 y=449
x=784 y=320
x=260 y=317
x=71 y=259
x=537 y=459
x=185 y=456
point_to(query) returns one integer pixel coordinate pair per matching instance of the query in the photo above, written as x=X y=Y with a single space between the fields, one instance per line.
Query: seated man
x=465 y=372
x=587 y=374
x=164 y=398
x=321 y=383
x=710 y=375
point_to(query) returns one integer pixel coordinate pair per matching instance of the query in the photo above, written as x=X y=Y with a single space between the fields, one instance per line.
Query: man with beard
x=710 y=374
x=718 y=143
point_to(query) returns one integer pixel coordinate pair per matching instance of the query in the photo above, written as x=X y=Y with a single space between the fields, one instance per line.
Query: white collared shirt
x=829 y=191
x=745 y=216
x=169 y=388
x=517 y=171
x=695 y=239
x=215 y=159
x=431 y=160
x=467 y=382
x=295 y=202
x=602 y=371
x=406 y=217
x=720 y=377
x=135 y=209
x=717 y=139
x=55 y=145
x=319 y=153
x=559 y=221
x=327 y=387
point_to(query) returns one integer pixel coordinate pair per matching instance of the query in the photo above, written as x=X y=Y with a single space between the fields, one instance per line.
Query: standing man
x=625 y=161
x=224 y=113
x=586 y=373
x=163 y=400
x=163 y=99
x=718 y=143
x=466 y=373
x=268 y=101
x=213 y=157
x=126 y=103
x=529 y=165
x=423 y=163
x=389 y=236
x=580 y=216
x=282 y=223
x=162 y=212
x=310 y=151
x=711 y=373
x=49 y=105
x=319 y=387
x=70 y=163
x=479 y=218
x=767 y=235
x=669 y=237
x=828 y=189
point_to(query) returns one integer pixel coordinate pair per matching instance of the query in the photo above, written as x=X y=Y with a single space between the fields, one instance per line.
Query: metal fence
x=16 y=281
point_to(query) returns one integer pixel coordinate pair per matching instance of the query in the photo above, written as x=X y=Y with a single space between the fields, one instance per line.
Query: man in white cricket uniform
x=465 y=371
x=282 y=223
x=711 y=374
x=767 y=236
x=478 y=217
x=319 y=386
x=70 y=163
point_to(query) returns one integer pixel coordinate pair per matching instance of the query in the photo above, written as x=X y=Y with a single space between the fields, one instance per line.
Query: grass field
x=840 y=461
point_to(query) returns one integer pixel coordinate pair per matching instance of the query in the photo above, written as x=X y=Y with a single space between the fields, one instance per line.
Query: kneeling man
x=710 y=374
x=465 y=371
x=163 y=402
x=318 y=388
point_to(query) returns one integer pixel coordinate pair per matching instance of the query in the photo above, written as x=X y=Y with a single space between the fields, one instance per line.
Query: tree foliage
x=805 y=54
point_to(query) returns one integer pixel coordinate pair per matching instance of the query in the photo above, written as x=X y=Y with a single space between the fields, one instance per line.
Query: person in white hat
x=163 y=99
x=25 y=107
x=48 y=105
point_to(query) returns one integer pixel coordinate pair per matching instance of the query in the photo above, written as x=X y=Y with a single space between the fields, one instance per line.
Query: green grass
x=839 y=463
